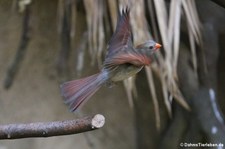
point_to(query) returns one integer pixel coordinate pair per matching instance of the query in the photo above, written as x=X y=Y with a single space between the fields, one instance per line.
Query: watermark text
x=186 y=145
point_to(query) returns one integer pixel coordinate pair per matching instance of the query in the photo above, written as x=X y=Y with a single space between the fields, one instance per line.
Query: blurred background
x=178 y=99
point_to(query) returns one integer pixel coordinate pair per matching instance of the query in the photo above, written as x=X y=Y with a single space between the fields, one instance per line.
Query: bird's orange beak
x=157 y=46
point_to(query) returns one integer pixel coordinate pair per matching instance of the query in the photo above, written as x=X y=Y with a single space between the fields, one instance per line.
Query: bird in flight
x=122 y=61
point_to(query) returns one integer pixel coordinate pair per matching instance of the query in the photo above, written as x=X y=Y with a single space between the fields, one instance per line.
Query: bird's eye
x=151 y=47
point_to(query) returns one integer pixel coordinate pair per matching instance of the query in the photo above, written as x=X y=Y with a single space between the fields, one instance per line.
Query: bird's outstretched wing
x=122 y=36
x=120 y=47
x=131 y=56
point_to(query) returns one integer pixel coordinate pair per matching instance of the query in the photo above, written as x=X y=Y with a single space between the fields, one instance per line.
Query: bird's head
x=150 y=46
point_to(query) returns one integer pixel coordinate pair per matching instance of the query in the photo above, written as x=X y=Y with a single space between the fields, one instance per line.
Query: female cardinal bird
x=121 y=62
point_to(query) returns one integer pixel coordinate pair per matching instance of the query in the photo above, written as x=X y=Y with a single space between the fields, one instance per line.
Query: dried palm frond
x=94 y=13
x=91 y=8
x=113 y=12
x=60 y=14
x=129 y=85
x=194 y=28
x=22 y=4
x=81 y=54
x=169 y=26
x=73 y=19
x=154 y=96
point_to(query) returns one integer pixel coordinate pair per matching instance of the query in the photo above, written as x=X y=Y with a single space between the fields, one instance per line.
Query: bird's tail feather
x=77 y=92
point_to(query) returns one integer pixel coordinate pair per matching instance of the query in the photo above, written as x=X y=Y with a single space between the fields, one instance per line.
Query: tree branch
x=49 y=129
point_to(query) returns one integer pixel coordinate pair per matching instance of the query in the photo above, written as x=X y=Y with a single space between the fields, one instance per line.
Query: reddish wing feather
x=120 y=49
x=132 y=57
x=122 y=37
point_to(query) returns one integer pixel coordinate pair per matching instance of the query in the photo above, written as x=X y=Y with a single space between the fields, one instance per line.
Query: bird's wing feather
x=122 y=36
x=131 y=56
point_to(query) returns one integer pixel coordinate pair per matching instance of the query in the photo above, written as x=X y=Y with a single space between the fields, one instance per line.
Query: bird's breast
x=124 y=71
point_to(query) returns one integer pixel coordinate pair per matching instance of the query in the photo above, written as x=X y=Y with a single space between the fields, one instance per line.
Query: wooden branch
x=49 y=129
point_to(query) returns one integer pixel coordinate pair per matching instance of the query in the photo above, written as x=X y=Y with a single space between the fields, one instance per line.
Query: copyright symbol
x=181 y=144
